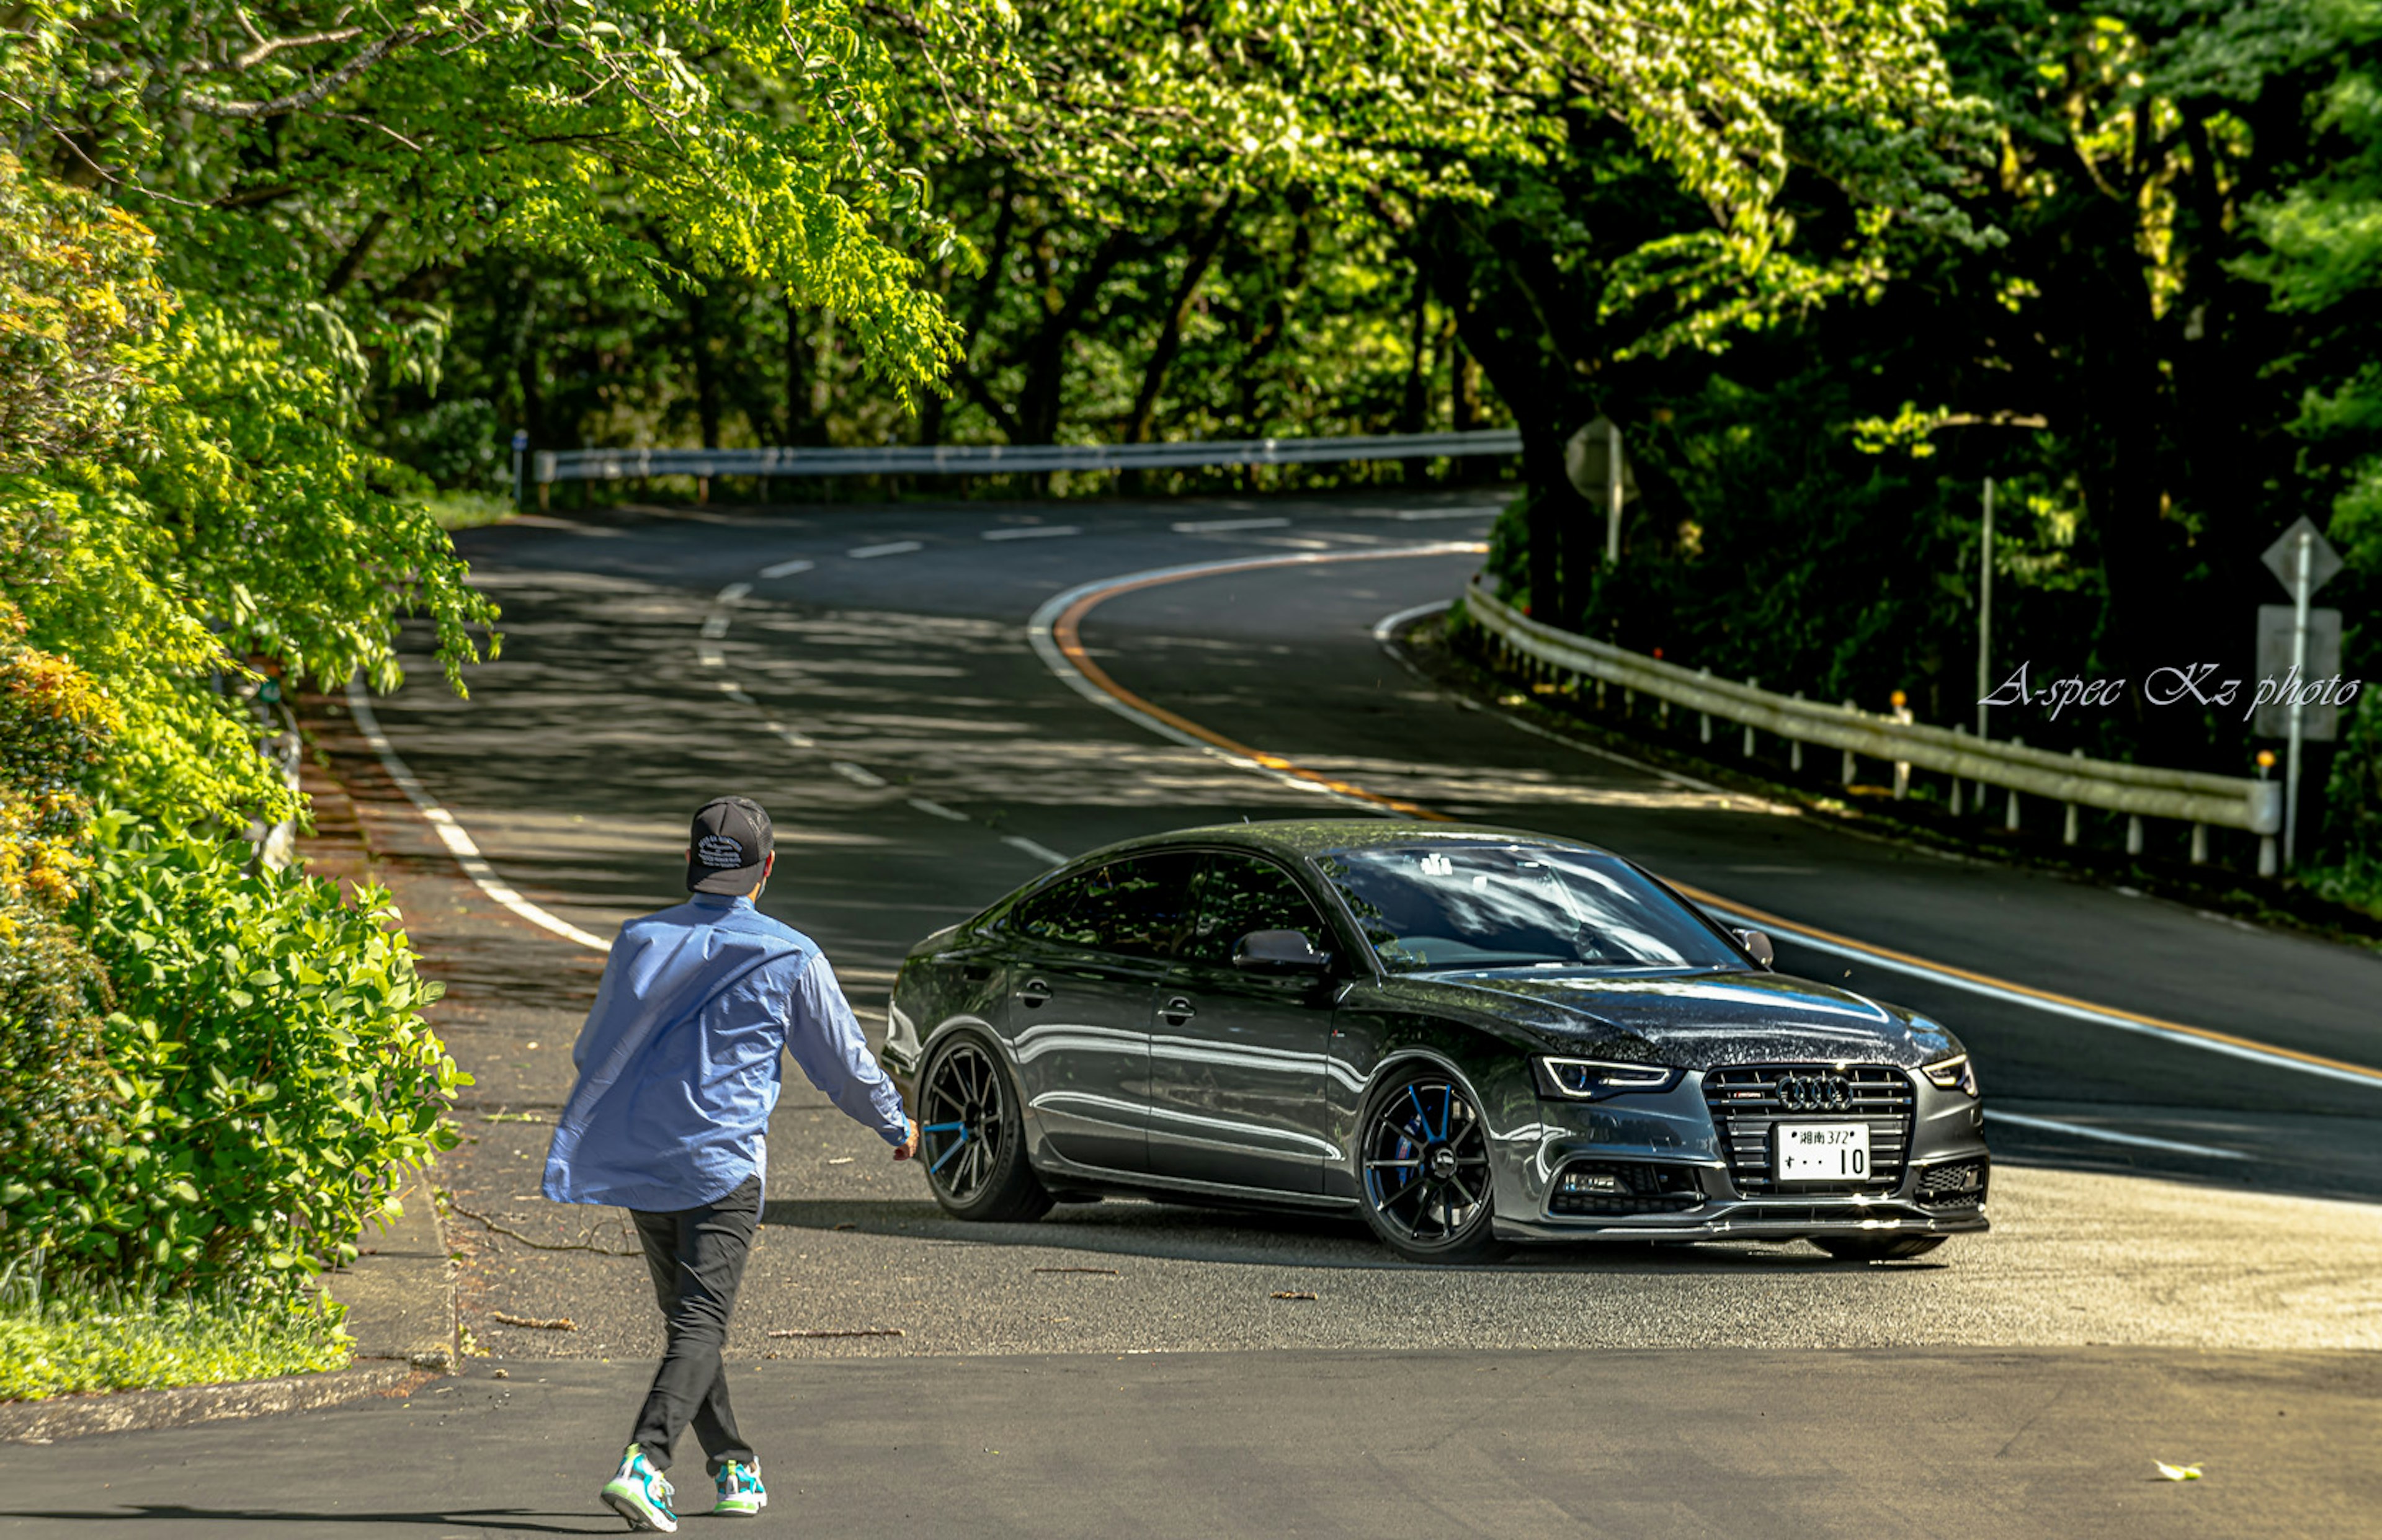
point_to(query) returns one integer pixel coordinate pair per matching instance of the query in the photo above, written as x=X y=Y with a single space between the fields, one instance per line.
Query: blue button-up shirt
x=679 y=1060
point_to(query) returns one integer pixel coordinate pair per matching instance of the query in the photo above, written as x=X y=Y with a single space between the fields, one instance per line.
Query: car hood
x=1691 y=1022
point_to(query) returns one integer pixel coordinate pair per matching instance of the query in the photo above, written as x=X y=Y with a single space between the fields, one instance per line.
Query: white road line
x=936 y=809
x=730 y=689
x=1220 y=526
x=2082 y=1130
x=788 y=569
x=710 y=657
x=1039 y=852
x=714 y=627
x=891 y=548
x=733 y=594
x=1416 y=516
x=450 y=833
x=1038 y=531
x=855 y=774
x=800 y=740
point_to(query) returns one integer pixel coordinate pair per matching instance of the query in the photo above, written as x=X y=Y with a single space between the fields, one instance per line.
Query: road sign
x=2319 y=723
x=2282 y=558
x=1586 y=461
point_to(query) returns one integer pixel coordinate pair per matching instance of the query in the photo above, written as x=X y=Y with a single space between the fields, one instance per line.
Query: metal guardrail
x=549 y=466
x=2140 y=790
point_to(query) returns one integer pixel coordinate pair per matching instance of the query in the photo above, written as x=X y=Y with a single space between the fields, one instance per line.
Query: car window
x=1239 y=894
x=1134 y=908
x=1445 y=905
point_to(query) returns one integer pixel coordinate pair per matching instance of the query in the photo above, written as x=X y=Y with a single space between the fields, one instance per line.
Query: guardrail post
x=2067 y=829
x=2010 y=820
x=1959 y=730
x=2267 y=863
x=1794 y=749
x=1703 y=718
x=1901 y=766
x=2199 y=844
x=1747 y=750
x=1848 y=776
x=2133 y=834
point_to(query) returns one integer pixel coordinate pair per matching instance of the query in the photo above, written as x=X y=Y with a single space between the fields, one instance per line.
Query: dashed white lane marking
x=854 y=774
x=1039 y=852
x=936 y=809
x=734 y=592
x=1038 y=531
x=1219 y=526
x=450 y=833
x=710 y=657
x=788 y=569
x=1419 y=516
x=798 y=740
x=714 y=627
x=730 y=689
x=891 y=548
x=2052 y=1125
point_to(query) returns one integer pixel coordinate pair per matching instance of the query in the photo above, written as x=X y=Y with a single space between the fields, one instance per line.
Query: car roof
x=1315 y=837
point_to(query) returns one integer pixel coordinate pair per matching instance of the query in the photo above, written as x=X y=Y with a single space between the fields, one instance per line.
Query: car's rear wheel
x=972 y=1138
x=1424 y=1150
x=1876 y=1248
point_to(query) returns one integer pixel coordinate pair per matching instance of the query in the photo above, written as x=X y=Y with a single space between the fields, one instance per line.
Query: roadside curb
x=46 y=1421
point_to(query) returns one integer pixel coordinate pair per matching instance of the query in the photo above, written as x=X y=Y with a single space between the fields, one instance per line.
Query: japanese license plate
x=1821 y=1152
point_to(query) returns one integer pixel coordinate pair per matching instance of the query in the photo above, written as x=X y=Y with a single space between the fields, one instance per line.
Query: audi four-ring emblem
x=1814 y=1092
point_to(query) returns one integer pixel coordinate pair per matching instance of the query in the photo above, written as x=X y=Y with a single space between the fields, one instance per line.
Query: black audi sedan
x=1466 y=1035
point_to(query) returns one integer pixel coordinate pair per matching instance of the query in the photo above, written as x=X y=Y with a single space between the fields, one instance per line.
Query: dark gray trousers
x=697 y=1258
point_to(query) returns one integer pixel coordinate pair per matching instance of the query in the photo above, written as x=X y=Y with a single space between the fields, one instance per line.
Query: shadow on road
x=1172 y=1233
x=511 y=1520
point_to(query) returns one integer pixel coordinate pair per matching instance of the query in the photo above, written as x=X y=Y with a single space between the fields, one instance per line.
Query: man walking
x=678 y=1074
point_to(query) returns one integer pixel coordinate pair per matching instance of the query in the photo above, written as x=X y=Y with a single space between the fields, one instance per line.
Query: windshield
x=1441 y=906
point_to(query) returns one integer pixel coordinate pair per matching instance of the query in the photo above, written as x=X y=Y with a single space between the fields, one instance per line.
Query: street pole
x=1985 y=617
x=1611 y=493
x=520 y=451
x=2300 y=591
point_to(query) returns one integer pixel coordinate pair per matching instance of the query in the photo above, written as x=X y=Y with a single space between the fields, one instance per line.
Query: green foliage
x=110 y=1338
x=271 y=1069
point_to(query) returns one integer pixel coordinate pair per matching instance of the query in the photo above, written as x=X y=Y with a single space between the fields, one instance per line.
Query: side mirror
x=1759 y=944
x=1280 y=953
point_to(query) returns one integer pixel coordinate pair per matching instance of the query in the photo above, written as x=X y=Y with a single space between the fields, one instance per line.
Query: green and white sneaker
x=640 y=1494
x=741 y=1491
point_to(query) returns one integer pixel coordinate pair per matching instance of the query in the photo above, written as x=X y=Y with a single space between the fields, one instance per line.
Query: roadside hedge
x=272 y=1075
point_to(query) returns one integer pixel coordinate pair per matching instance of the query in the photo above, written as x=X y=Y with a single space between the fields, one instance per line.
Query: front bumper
x=1675 y=1169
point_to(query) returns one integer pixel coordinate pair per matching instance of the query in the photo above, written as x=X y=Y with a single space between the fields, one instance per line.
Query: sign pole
x=2300 y=591
x=1611 y=494
x=1985 y=617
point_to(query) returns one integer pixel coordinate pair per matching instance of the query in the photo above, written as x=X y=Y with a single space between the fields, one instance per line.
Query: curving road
x=867 y=673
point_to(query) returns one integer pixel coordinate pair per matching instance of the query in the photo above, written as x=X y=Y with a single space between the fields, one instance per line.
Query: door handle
x=1177 y=1011
x=1033 y=992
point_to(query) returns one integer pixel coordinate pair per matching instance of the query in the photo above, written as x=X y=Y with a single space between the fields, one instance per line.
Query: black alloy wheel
x=1876 y=1248
x=971 y=1140
x=1425 y=1154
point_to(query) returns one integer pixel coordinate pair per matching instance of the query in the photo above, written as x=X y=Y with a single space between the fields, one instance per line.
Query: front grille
x=1960 y=1184
x=1745 y=1104
x=1586 y=1186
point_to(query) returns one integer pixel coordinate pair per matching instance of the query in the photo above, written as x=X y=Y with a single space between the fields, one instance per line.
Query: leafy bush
x=456 y=442
x=272 y=1073
x=112 y=1339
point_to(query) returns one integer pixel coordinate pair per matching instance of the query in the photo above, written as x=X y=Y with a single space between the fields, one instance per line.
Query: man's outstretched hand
x=908 y=1148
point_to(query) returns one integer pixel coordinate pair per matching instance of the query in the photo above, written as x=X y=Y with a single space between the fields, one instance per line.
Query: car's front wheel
x=1876 y=1248
x=972 y=1138
x=1425 y=1152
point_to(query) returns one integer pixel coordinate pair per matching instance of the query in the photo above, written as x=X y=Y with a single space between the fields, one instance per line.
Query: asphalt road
x=864 y=671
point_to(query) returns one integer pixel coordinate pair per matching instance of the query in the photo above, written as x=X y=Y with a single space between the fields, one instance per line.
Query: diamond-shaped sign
x=2282 y=558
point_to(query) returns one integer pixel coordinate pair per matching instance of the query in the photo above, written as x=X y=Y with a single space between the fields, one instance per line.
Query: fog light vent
x=1614 y=1188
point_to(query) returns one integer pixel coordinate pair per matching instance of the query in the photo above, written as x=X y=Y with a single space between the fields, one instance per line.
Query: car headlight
x=1953 y=1074
x=1585 y=1079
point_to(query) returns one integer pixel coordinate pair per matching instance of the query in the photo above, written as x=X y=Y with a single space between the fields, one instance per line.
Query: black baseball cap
x=727 y=846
